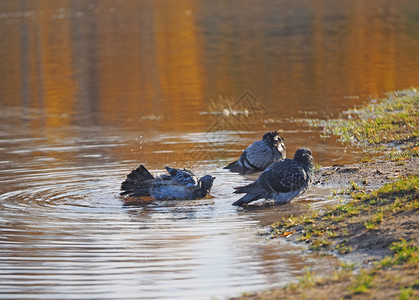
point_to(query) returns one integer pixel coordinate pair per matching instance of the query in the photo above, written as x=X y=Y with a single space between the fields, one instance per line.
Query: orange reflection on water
x=122 y=62
x=178 y=55
x=57 y=70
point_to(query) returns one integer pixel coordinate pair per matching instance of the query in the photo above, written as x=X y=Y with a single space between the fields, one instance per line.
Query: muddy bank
x=368 y=219
x=364 y=178
x=368 y=175
x=374 y=228
x=378 y=213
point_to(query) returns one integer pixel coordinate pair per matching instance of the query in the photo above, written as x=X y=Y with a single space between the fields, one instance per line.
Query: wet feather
x=260 y=155
x=179 y=184
x=282 y=181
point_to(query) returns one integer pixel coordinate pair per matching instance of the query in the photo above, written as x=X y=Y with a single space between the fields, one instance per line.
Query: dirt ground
x=374 y=229
x=342 y=286
x=369 y=175
x=368 y=247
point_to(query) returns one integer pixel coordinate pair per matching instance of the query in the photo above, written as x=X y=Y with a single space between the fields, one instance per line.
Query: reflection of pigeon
x=283 y=181
x=179 y=184
x=260 y=155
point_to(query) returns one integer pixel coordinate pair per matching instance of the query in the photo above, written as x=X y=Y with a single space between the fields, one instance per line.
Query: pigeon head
x=274 y=140
x=206 y=182
x=304 y=156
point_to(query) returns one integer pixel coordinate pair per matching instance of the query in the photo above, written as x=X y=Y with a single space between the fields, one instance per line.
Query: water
x=89 y=90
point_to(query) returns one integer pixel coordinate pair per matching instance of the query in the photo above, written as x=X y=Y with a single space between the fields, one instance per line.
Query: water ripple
x=67 y=233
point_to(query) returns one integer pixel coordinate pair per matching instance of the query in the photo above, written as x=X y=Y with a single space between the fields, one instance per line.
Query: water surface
x=91 y=89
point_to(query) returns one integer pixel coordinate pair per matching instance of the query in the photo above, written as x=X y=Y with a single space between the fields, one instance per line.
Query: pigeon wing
x=283 y=176
x=171 y=171
x=170 y=190
x=183 y=177
x=257 y=156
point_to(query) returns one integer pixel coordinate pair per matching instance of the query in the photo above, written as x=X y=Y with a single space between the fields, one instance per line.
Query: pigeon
x=179 y=184
x=260 y=155
x=282 y=181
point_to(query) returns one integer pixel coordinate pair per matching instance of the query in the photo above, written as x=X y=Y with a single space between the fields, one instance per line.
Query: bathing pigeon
x=260 y=155
x=179 y=184
x=283 y=181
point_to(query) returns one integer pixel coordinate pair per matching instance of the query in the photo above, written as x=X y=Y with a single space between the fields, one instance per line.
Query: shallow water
x=67 y=233
x=89 y=90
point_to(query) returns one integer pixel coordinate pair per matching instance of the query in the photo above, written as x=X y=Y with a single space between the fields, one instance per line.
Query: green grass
x=406 y=293
x=335 y=229
x=404 y=252
x=308 y=280
x=281 y=227
x=390 y=119
x=365 y=210
x=400 y=156
x=319 y=244
x=405 y=189
x=404 y=185
x=392 y=123
x=343 y=247
x=341 y=212
x=361 y=283
x=373 y=222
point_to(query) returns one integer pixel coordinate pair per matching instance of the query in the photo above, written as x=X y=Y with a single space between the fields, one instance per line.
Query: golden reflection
x=10 y=58
x=178 y=48
x=125 y=60
x=158 y=62
x=133 y=59
x=88 y=87
x=57 y=73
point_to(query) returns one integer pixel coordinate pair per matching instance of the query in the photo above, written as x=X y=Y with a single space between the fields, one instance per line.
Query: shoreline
x=374 y=228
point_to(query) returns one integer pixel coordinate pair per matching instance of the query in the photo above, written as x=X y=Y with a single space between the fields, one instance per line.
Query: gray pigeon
x=179 y=184
x=260 y=155
x=283 y=181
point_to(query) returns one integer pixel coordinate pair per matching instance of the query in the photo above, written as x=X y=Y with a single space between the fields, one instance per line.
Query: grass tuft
x=404 y=252
x=406 y=293
x=308 y=280
x=361 y=283
x=384 y=122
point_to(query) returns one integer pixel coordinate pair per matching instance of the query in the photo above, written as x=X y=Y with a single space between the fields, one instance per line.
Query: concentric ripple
x=66 y=232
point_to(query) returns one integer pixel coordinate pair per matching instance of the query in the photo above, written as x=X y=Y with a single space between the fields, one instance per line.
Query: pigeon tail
x=253 y=192
x=249 y=198
x=234 y=164
x=134 y=182
x=252 y=188
x=236 y=167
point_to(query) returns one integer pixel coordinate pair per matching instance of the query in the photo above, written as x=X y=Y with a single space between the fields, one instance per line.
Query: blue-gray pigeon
x=260 y=155
x=283 y=181
x=179 y=184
